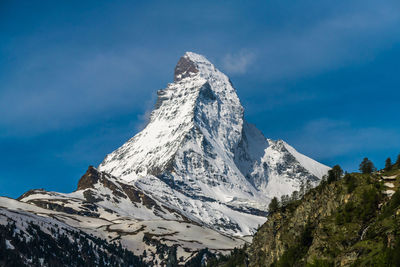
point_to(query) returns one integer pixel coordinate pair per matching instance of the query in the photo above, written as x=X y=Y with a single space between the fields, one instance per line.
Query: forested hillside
x=350 y=219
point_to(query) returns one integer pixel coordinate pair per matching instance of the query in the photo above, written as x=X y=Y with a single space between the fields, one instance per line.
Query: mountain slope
x=111 y=209
x=30 y=236
x=351 y=222
x=197 y=146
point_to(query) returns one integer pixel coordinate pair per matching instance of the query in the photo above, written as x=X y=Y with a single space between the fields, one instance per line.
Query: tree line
x=366 y=167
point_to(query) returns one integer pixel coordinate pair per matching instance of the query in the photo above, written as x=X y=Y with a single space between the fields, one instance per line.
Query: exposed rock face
x=89 y=179
x=184 y=68
x=98 y=189
x=335 y=224
x=283 y=228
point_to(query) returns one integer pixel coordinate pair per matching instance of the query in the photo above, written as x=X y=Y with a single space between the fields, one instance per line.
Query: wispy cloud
x=75 y=89
x=144 y=118
x=237 y=63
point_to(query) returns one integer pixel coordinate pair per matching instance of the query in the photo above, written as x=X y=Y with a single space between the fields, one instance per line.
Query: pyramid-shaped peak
x=196 y=58
x=191 y=64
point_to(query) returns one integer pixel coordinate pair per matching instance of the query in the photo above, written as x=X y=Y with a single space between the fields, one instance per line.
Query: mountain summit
x=197 y=176
x=200 y=108
x=198 y=147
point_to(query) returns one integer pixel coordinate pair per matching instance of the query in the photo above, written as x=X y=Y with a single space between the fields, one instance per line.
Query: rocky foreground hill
x=354 y=221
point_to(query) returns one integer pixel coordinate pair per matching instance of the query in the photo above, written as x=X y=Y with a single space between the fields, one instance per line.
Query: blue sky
x=77 y=78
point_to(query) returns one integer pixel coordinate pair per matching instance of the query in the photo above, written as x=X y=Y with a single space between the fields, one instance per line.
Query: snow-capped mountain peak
x=201 y=99
x=197 y=176
x=200 y=156
x=191 y=64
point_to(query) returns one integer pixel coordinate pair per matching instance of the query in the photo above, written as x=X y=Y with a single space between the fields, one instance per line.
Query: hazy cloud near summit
x=237 y=63
x=62 y=90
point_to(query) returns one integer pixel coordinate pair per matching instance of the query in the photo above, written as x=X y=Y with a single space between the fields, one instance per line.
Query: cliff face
x=353 y=221
x=285 y=226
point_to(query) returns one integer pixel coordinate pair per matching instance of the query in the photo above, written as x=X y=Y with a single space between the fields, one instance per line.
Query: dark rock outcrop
x=89 y=179
x=184 y=68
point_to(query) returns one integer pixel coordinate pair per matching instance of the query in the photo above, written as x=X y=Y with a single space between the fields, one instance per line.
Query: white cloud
x=237 y=63
x=143 y=119
x=75 y=91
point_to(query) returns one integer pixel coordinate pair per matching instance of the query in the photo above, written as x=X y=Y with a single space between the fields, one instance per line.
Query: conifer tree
x=295 y=195
x=302 y=188
x=398 y=161
x=334 y=174
x=366 y=166
x=388 y=164
x=274 y=205
x=285 y=200
x=308 y=186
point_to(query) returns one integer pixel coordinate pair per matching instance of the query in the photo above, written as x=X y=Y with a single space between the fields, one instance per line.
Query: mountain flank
x=350 y=220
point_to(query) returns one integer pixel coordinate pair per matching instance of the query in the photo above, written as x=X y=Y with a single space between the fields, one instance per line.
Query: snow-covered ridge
x=198 y=147
x=314 y=167
x=205 y=97
x=112 y=209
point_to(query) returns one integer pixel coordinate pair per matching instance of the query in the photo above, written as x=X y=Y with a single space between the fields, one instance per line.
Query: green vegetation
x=320 y=263
x=388 y=164
x=366 y=166
x=334 y=174
x=295 y=254
x=237 y=258
x=273 y=205
x=62 y=248
x=350 y=182
x=348 y=220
